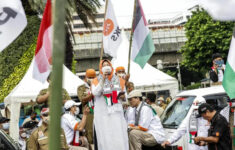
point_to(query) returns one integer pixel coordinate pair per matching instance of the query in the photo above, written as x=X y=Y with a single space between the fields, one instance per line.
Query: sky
x=153 y=9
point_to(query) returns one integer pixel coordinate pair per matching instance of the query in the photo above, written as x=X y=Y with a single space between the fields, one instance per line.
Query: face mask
x=219 y=62
x=121 y=75
x=89 y=81
x=158 y=102
x=46 y=119
x=5 y=126
x=77 y=111
x=106 y=69
x=23 y=135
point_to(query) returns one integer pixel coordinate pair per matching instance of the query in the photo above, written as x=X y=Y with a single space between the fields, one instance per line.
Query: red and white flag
x=43 y=53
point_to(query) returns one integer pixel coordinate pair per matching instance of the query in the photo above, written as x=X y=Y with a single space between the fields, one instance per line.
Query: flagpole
x=132 y=30
x=58 y=46
x=102 y=42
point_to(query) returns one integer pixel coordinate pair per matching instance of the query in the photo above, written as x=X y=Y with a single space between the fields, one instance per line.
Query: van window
x=217 y=101
x=176 y=112
x=6 y=142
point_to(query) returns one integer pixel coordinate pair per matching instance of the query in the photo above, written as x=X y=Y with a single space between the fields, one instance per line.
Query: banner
x=12 y=21
x=111 y=32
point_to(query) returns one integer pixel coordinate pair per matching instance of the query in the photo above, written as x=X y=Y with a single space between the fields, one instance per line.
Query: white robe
x=110 y=126
x=183 y=129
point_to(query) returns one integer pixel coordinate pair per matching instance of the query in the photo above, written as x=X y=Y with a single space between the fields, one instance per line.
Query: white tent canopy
x=148 y=78
x=27 y=91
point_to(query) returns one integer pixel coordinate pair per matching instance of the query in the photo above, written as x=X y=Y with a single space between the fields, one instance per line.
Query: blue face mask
x=219 y=62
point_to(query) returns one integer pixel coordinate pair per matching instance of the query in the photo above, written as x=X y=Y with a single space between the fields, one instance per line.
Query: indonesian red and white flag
x=12 y=21
x=111 y=32
x=43 y=53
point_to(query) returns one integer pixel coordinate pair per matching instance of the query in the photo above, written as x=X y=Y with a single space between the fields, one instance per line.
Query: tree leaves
x=18 y=72
x=10 y=57
x=205 y=37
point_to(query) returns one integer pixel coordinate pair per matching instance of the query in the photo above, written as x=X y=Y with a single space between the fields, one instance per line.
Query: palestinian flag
x=91 y=106
x=142 y=46
x=111 y=98
x=229 y=74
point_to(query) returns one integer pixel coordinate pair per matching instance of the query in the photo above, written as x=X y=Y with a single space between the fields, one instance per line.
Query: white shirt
x=22 y=143
x=221 y=74
x=183 y=129
x=68 y=123
x=149 y=121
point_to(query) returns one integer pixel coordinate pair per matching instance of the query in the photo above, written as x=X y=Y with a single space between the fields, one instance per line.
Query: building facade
x=168 y=36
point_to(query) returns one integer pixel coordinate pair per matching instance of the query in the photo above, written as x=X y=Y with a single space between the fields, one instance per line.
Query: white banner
x=111 y=32
x=220 y=9
x=12 y=21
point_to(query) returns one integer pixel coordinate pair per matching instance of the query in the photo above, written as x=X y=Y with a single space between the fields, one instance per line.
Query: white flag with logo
x=12 y=21
x=111 y=32
x=222 y=10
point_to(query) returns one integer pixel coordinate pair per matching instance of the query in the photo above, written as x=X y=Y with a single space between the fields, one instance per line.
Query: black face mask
x=33 y=118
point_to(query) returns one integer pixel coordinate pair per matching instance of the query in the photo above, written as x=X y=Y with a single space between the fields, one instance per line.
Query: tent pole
x=58 y=46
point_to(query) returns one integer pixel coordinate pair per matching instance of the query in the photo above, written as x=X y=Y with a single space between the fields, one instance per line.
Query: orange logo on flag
x=108 y=27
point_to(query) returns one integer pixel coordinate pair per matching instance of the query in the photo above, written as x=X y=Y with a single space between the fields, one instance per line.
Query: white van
x=182 y=106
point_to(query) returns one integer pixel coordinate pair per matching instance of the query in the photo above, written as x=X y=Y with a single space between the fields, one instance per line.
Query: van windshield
x=176 y=112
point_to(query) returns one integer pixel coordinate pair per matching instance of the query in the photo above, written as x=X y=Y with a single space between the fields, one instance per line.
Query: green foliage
x=194 y=86
x=10 y=57
x=205 y=37
x=16 y=58
x=18 y=72
x=171 y=73
x=85 y=10
x=73 y=68
x=27 y=8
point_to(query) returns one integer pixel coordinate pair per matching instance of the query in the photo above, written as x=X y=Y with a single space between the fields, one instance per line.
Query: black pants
x=159 y=147
x=95 y=140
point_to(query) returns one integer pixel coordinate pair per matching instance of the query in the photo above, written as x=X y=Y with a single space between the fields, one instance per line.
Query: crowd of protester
x=114 y=115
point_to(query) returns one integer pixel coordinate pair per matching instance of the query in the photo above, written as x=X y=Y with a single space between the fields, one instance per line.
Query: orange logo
x=108 y=27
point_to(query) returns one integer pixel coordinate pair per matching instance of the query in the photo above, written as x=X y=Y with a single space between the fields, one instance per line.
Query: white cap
x=199 y=100
x=160 y=99
x=134 y=93
x=71 y=103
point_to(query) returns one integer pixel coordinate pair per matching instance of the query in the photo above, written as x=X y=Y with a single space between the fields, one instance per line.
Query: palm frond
x=85 y=9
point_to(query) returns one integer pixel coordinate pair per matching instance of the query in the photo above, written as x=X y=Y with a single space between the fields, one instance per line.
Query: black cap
x=203 y=108
x=216 y=55
x=4 y=119
x=30 y=124
x=151 y=96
